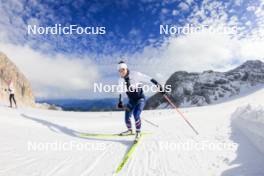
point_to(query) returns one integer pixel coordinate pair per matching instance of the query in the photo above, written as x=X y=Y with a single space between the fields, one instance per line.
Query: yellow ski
x=127 y=155
x=98 y=135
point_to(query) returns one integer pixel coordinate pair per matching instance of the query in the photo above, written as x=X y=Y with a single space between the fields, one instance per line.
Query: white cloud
x=53 y=76
x=251 y=49
x=183 y=6
x=248 y=23
x=197 y=52
x=251 y=8
x=164 y=10
x=57 y=76
x=238 y=2
x=175 y=12
x=189 y=1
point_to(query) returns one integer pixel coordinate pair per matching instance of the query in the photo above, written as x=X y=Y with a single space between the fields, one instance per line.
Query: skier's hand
x=120 y=105
x=161 y=89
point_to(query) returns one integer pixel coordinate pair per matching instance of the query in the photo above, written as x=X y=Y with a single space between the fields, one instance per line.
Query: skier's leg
x=10 y=100
x=128 y=114
x=14 y=100
x=137 y=111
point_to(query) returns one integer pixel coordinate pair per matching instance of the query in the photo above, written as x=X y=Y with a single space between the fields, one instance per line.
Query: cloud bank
x=53 y=76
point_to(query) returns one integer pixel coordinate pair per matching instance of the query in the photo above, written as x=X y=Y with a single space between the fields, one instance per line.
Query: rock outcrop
x=8 y=71
x=198 y=89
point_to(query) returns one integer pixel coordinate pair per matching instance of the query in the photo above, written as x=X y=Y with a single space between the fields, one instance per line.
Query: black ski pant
x=12 y=98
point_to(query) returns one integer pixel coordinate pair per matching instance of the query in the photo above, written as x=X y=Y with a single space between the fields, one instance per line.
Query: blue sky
x=132 y=32
x=130 y=25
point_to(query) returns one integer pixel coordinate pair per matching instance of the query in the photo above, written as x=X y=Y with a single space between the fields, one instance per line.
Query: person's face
x=122 y=72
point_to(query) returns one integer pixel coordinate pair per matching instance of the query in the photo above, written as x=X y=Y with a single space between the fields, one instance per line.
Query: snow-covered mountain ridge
x=208 y=87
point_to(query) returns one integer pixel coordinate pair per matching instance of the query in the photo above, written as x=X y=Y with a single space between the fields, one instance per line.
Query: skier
x=11 y=91
x=132 y=82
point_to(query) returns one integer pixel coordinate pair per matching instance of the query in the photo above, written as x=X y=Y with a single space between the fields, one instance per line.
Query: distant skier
x=11 y=91
x=132 y=81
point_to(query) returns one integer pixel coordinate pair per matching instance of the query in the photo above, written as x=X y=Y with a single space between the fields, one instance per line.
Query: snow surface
x=250 y=120
x=223 y=147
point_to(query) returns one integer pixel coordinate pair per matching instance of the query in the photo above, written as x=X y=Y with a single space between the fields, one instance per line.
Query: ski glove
x=120 y=105
x=161 y=89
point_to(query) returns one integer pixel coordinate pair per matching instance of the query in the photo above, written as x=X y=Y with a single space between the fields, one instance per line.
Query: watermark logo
x=112 y=88
x=196 y=146
x=65 y=146
x=190 y=28
x=58 y=29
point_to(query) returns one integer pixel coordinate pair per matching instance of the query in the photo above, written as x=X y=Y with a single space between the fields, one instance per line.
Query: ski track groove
x=59 y=166
x=132 y=168
x=153 y=160
x=146 y=159
x=72 y=164
x=149 y=154
x=191 y=159
x=95 y=162
x=20 y=165
x=91 y=168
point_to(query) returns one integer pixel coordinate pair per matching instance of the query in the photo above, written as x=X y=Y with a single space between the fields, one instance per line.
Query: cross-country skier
x=11 y=91
x=132 y=82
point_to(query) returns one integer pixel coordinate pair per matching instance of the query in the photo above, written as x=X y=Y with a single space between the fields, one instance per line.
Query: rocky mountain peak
x=251 y=65
x=198 y=89
x=9 y=71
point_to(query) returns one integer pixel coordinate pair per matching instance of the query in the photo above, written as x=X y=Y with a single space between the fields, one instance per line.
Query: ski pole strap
x=181 y=114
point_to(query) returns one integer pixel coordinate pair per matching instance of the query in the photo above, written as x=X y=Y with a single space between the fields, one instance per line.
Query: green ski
x=94 y=135
x=128 y=155
x=98 y=135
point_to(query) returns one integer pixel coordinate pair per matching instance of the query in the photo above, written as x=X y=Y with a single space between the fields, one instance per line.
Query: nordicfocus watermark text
x=65 y=146
x=112 y=88
x=58 y=29
x=190 y=28
x=196 y=146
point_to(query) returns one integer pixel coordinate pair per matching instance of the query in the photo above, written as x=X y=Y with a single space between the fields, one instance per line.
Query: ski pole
x=181 y=114
x=153 y=124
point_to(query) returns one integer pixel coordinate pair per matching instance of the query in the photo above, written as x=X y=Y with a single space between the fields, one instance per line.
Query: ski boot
x=137 y=137
x=127 y=133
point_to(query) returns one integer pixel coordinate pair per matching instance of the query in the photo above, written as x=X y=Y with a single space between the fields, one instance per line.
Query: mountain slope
x=8 y=71
x=170 y=149
x=198 y=89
